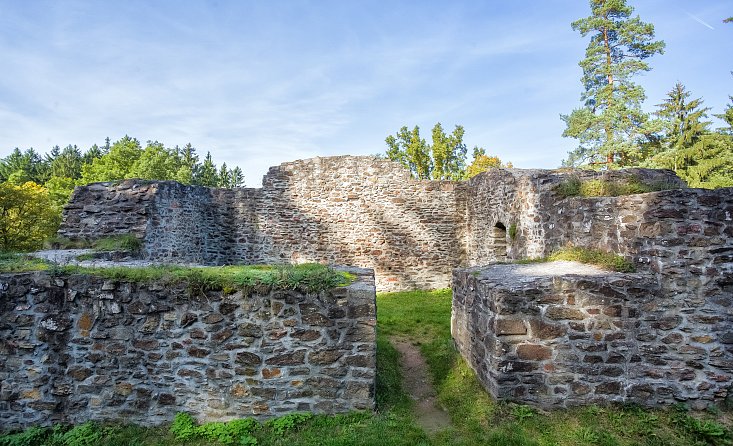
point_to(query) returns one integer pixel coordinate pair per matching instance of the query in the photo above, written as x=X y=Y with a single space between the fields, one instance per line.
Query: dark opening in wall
x=499 y=245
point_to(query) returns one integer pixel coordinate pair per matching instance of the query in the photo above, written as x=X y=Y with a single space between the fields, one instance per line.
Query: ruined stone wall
x=684 y=237
x=77 y=348
x=526 y=199
x=368 y=212
x=108 y=209
x=365 y=212
x=564 y=334
x=346 y=210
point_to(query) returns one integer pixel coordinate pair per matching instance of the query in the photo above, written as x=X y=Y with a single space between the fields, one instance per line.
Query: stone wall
x=563 y=334
x=684 y=237
x=76 y=348
x=347 y=210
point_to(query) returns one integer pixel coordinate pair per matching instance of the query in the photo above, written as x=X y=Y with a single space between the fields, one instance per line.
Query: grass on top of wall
x=573 y=186
x=122 y=242
x=310 y=277
x=602 y=259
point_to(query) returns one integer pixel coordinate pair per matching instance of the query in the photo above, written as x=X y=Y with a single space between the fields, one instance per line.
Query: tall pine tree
x=682 y=119
x=611 y=120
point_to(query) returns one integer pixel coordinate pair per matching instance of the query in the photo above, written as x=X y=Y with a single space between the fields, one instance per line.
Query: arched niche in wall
x=499 y=242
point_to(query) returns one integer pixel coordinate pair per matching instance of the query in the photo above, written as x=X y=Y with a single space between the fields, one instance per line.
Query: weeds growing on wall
x=602 y=259
x=573 y=186
x=123 y=242
x=309 y=277
x=606 y=260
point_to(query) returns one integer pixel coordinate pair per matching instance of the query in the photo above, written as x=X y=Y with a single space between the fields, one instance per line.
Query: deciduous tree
x=27 y=216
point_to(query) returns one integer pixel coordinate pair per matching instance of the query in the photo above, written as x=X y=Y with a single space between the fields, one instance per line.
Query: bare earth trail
x=419 y=386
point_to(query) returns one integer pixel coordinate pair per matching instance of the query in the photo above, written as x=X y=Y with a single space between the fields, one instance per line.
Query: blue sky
x=262 y=82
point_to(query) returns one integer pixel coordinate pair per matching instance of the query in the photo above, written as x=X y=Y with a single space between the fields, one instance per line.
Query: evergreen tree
x=682 y=119
x=727 y=116
x=237 y=177
x=207 y=175
x=93 y=153
x=67 y=164
x=189 y=165
x=611 y=121
x=24 y=166
x=225 y=177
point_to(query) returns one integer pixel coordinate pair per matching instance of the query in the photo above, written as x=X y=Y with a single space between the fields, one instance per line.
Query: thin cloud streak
x=699 y=20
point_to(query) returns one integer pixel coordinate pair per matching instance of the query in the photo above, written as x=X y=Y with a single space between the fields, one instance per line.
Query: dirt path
x=420 y=388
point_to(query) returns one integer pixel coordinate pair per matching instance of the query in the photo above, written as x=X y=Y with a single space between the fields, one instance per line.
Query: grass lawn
x=424 y=317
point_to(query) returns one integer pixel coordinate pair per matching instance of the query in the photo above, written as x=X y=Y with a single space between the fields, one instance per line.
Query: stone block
x=534 y=352
x=506 y=327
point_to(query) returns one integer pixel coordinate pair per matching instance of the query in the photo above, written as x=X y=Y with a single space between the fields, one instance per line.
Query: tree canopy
x=611 y=122
x=35 y=188
x=444 y=159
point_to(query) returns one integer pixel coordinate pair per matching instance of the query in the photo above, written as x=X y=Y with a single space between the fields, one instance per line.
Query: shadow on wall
x=407 y=230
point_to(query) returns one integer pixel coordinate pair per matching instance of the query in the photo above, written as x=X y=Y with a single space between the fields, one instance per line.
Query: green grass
x=310 y=277
x=127 y=242
x=424 y=317
x=602 y=259
x=123 y=242
x=21 y=263
x=605 y=260
x=573 y=186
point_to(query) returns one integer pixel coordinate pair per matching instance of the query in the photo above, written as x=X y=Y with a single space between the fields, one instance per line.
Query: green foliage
x=573 y=186
x=522 y=412
x=513 y=231
x=24 y=166
x=27 y=216
x=708 y=431
x=682 y=119
x=308 y=277
x=727 y=116
x=606 y=260
x=611 y=121
x=87 y=434
x=482 y=162
x=708 y=163
x=29 y=437
x=288 y=422
x=410 y=150
x=444 y=159
x=18 y=263
x=183 y=426
x=235 y=432
x=115 y=165
x=127 y=242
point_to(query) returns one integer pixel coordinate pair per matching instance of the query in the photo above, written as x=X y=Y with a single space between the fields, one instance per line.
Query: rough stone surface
x=601 y=337
x=369 y=212
x=77 y=348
